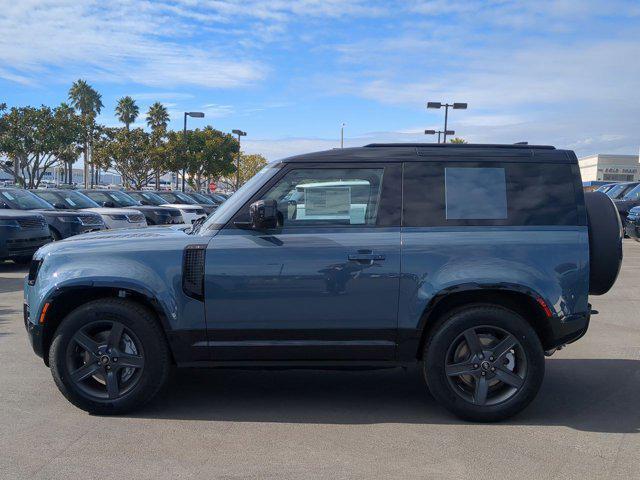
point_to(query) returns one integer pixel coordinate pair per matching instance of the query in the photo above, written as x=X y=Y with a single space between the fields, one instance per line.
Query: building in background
x=55 y=176
x=610 y=168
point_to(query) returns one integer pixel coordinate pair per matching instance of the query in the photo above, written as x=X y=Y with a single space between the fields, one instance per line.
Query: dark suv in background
x=472 y=261
x=117 y=199
x=21 y=234
x=62 y=224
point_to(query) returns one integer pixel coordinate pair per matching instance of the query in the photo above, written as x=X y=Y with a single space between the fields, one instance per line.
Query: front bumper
x=22 y=245
x=34 y=332
x=632 y=227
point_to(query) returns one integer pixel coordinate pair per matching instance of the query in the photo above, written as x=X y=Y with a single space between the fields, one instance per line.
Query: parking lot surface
x=585 y=423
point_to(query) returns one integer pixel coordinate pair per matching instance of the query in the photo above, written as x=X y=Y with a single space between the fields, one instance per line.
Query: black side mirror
x=108 y=204
x=60 y=206
x=264 y=214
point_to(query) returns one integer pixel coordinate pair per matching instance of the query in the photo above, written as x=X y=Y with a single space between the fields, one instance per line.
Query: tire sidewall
x=134 y=317
x=461 y=320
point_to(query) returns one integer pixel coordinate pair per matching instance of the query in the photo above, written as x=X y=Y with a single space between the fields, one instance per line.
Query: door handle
x=362 y=257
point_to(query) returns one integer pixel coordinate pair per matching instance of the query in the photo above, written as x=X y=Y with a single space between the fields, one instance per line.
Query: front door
x=323 y=285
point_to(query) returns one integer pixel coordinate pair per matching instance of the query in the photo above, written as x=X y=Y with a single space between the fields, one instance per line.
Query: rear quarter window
x=488 y=193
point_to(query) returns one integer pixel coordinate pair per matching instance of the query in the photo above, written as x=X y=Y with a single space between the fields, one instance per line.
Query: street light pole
x=184 y=142
x=342 y=135
x=433 y=132
x=455 y=105
x=240 y=134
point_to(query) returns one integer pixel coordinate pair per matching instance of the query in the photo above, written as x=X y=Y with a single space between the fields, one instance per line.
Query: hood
x=10 y=213
x=116 y=242
x=112 y=211
x=182 y=206
x=144 y=208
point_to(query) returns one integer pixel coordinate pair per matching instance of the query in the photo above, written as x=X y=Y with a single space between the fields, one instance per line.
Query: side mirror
x=108 y=204
x=60 y=206
x=264 y=214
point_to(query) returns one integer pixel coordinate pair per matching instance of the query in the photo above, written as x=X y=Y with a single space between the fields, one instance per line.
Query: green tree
x=250 y=165
x=127 y=111
x=36 y=139
x=157 y=120
x=458 y=140
x=127 y=152
x=88 y=103
x=209 y=154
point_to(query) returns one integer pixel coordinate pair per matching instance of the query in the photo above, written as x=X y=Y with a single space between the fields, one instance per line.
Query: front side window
x=328 y=196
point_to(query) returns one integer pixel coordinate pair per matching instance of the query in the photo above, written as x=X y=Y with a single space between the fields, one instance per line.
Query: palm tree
x=157 y=120
x=88 y=102
x=127 y=111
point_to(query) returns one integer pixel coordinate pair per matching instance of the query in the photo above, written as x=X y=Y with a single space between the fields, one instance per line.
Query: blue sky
x=563 y=72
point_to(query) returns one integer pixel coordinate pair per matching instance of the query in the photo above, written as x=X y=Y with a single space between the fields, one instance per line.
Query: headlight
x=9 y=223
x=117 y=216
x=69 y=219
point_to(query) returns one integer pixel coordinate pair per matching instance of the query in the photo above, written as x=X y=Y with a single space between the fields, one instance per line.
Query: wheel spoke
x=456 y=369
x=134 y=361
x=504 y=346
x=115 y=335
x=473 y=342
x=84 y=372
x=509 y=377
x=112 y=384
x=86 y=342
x=481 y=390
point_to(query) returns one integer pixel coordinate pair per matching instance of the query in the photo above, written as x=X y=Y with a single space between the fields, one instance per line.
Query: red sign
x=212 y=187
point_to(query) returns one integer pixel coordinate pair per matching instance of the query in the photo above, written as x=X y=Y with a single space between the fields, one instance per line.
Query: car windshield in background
x=201 y=198
x=69 y=198
x=123 y=199
x=148 y=197
x=620 y=190
x=177 y=197
x=633 y=194
x=23 y=200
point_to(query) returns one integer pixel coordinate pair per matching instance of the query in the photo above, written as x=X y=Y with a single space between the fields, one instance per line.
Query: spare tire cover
x=605 y=242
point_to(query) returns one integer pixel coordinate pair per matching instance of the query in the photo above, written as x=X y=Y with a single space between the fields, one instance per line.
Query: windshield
x=633 y=194
x=70 y=198
x=123 y=199
x=225 y=211
x=620 y=190
x=149 y=198
x=23 y=200
x=177 y=197
x=201 y=198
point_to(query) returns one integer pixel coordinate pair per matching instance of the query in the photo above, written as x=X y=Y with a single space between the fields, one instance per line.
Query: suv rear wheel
x=109 y=356
x=484 y=363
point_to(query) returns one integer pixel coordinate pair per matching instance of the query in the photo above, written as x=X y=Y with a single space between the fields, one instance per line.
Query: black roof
x=381 y=152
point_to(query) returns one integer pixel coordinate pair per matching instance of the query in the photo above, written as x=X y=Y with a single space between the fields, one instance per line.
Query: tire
x=137 y=363
x=522 y=366
x=605 y=242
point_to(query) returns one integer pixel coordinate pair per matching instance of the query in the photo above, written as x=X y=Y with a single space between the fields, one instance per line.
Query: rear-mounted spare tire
x=605 y=242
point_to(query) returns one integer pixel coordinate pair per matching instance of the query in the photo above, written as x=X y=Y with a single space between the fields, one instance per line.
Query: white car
x=190 y=212
x=112 y=217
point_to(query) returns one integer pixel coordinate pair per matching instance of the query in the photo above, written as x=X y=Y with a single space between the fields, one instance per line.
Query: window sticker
x=333 y=201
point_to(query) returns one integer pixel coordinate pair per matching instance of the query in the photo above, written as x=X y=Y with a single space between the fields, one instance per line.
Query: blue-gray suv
x=472 y=261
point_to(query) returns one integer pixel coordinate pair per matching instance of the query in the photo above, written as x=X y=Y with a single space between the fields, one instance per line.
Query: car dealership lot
x=585 y=423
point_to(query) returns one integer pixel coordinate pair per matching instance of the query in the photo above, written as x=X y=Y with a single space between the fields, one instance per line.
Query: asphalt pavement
x=585 y=422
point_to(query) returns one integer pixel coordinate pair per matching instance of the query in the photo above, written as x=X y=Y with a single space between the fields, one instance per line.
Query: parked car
x=619 y=190
x=471 y=261
x=62 y=224
x=632 y=224
x=153 y=215
x=605 y=188
x=21 y=234
x=204 y=200
x=190 y=213
x=112 y=217
x=626 y=203
x=182 y=198
x=216 y=197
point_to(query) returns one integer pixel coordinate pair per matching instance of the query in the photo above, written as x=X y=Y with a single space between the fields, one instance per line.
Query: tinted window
x=23 y=200
x=475 y=193
x=481 y=194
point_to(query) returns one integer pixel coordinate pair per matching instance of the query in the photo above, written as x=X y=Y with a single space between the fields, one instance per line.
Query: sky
x=290 y=72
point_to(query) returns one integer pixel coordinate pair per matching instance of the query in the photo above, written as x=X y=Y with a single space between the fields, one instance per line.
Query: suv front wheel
x=484 y=363
x=109 y=356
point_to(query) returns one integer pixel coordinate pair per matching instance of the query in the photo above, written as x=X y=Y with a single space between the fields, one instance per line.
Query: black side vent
x=193 y=271
x=34 y=268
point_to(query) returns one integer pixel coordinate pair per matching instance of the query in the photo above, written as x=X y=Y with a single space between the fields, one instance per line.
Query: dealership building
x=610 y=168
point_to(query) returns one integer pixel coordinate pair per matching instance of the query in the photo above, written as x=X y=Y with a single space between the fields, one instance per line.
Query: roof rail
x=462 y=145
